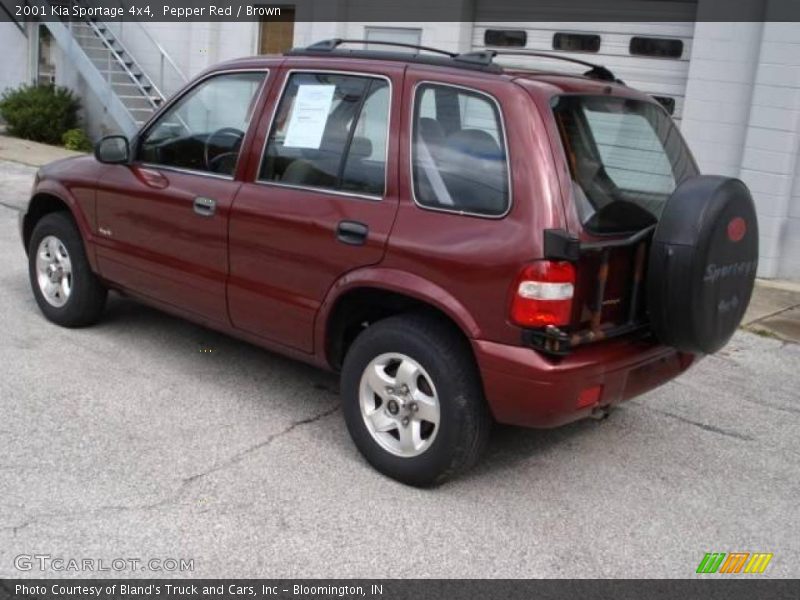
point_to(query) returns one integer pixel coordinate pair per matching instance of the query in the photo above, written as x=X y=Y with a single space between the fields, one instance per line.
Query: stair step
x=87 y=46
x=118 y=77
x=132 y=86
x=137 y=96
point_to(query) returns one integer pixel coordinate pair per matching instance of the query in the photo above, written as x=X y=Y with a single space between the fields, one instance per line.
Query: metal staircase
x=130 y=83
x=126 y=90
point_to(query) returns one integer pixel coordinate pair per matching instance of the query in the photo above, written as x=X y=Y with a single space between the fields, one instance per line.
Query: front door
x=163 y=220
x=320 y=203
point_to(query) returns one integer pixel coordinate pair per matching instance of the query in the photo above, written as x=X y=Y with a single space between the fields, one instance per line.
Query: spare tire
x=702 y=264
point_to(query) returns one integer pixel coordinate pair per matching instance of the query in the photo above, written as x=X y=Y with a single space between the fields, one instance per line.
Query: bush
x=76 y=139
x=42 y=113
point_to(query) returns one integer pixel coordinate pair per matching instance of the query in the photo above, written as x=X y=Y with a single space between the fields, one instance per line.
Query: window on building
x=276 y=35
x=401 y=35
x=667 y=102
x=515 y=38
x=204 y=129
x=330 y=132
x=46 y=69
x=459 y=161
x=576 y=42
x=658 y=47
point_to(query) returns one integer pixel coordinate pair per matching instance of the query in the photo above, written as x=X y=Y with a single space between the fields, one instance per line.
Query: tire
x=66 y=290
x=436 y=362
x=703 y=263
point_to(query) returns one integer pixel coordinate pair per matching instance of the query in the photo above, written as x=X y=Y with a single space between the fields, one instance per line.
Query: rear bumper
x=523 y=387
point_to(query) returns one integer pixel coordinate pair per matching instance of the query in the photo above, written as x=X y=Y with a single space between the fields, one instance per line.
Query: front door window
x=203 y=131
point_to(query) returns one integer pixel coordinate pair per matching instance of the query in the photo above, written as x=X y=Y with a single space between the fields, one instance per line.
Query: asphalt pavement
x=151 y=438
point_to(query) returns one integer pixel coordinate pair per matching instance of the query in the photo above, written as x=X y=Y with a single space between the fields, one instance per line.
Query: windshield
x=626 y=158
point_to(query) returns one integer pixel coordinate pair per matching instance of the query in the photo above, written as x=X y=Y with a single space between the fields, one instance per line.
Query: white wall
x=770 y=164
x=718 y=93
x=742 y=119
x=192 y=46
x=15 y=59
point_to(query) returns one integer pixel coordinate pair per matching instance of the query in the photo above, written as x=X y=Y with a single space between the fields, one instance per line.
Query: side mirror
x=113 y=150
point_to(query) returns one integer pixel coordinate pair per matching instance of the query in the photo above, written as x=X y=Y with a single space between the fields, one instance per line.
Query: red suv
x=465 y=242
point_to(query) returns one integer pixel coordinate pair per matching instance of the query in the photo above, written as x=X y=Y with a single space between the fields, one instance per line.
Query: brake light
x=543 y=294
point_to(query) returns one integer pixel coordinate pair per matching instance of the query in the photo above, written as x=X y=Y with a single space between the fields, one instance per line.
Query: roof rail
x=333 y=44
x=482 y=60
x=595 y=72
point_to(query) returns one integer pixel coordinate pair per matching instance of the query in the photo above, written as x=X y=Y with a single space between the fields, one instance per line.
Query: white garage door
x=650 y=56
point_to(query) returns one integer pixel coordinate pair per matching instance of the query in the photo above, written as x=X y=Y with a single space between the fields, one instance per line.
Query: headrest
x=360 y=147
x=431 y=130
x=475 y=143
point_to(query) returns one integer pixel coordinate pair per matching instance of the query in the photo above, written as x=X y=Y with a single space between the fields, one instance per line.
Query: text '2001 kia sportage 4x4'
x=464 y=242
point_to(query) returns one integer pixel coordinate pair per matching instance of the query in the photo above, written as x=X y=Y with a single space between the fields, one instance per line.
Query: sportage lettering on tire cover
x=740 y=269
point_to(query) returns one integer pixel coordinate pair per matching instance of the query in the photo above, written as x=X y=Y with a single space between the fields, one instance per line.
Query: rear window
x=626 y=158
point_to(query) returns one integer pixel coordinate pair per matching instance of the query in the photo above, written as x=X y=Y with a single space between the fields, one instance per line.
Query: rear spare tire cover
x=702 y=264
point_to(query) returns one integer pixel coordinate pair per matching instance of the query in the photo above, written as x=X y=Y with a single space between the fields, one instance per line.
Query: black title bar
x=509 y=11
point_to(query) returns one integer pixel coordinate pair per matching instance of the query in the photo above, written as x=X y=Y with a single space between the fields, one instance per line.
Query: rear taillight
x=543 y=294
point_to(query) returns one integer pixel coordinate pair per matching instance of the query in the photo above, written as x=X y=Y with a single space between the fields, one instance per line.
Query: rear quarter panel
x=476 y=259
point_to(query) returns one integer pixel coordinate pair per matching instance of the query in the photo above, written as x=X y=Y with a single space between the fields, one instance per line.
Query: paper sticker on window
x=309 y=116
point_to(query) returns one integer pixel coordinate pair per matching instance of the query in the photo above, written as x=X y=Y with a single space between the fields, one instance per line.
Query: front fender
x=80 y=206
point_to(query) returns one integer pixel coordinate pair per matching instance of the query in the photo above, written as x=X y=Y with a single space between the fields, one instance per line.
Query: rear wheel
x=65 y=288
x=412 y=400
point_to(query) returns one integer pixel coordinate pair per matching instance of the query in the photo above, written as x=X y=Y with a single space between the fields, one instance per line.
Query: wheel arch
x=41 y=204
x=374 y=294
x=48 y=199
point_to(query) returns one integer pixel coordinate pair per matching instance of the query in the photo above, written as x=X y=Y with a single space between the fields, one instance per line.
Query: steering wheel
x=232 y=132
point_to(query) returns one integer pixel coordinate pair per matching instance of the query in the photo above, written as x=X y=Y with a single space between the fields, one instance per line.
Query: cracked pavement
x=146 y=436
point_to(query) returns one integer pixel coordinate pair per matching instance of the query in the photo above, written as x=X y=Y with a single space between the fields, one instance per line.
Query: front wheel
x=412 y=400
x=65 y=288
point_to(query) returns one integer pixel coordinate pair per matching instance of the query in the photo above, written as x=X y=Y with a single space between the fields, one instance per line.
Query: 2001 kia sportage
x=464 y=242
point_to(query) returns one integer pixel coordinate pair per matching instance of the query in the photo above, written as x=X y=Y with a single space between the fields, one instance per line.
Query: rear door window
x=458 y=152
x=330 y=132
x=626 y=158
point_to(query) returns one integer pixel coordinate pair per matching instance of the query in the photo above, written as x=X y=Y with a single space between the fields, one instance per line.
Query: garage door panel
x=586 y=11
x=665 y=29
x=611 y=44
x=659 y=76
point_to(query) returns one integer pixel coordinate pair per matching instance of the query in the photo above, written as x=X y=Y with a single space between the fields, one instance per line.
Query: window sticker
x=309 y=116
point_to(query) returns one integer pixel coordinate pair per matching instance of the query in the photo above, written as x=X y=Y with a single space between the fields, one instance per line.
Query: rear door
x=320 y=199
x=626 y=158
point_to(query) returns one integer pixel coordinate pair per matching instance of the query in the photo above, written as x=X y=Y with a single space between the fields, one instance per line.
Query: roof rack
x=333 y=44
x=436 y=56
x=482 y=60
x=595 y=72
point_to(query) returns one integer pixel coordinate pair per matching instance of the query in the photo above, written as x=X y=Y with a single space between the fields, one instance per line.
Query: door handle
x=352 y=233
x=205 y=207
